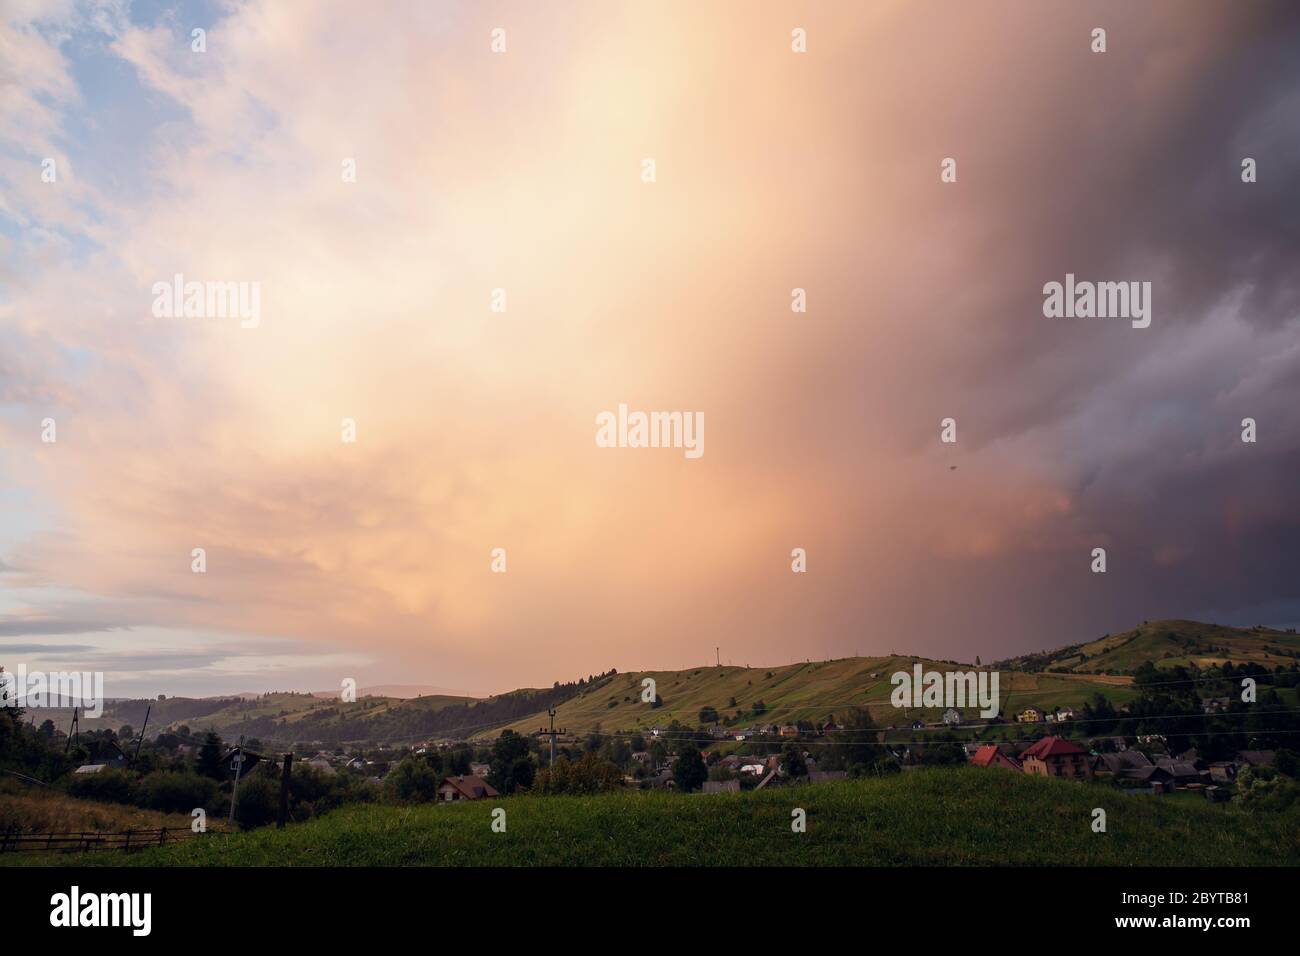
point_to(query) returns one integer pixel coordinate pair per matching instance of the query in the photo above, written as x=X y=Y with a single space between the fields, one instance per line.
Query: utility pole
x=284 y=791
x=147 y=710
x=71 y=730
x=543 y=732
x=234 y=793
x=718 y=651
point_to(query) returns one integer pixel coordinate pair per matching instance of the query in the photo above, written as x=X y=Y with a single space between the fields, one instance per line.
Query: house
x=722 y=786
x=990 y=756
x=1217 y=794
x=89 y=768
x=1119 y=764
x=952 y=717
x=1223 y=772
x=1056 y=757
x=1213 y=705
x=641 y=756
x=789 y=730
x=1183 y=773
x=1061 y=714
x=480 y=770
x=831 y=728
x=465 y=788
x=1255 y=758
x=663 y=780
x=719 y=733
x=918 y=725
x=1030 y=715
x=1157 y=778
x=754 y=768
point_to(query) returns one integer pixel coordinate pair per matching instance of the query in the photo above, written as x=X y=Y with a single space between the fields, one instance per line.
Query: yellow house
x=1030 y=715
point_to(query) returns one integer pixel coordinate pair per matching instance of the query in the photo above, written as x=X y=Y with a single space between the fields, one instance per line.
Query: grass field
x=948 y=817
x=30 y=810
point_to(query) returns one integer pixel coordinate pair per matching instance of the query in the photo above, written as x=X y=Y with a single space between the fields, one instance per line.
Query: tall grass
x=948 y=817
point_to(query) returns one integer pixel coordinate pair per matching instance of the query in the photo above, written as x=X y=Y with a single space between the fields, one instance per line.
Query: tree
x=411 y=781
x=511 y=768
x=689 y=772
x=589 y=774
x=793 y=762
x=208 y=761
x=708 y=715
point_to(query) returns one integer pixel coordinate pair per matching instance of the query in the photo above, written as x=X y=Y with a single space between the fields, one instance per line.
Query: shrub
x=115 y=786
x=177 y=792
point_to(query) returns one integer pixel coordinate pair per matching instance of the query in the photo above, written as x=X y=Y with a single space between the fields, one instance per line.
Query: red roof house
x=465 y=788
x=1057 y=757
x=990 y=756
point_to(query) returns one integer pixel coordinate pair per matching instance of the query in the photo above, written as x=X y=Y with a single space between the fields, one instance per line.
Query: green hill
x=811 y=691
x=1168 y=644
x=950 y=817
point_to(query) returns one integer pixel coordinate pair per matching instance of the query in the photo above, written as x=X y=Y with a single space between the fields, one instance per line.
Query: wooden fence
x=13 y=841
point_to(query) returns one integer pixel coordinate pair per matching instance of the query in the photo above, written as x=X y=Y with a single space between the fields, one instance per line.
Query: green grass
x=939 y=817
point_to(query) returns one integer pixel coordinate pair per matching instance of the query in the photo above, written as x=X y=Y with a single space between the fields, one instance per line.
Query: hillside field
x=935 y=817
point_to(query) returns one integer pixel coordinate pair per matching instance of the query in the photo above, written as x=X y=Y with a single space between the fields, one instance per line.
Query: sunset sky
x=522 y=170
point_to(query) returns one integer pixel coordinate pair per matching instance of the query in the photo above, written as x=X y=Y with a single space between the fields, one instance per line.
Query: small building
x=1030 y=715
x=1223 y=772
x=454 y=789
x=1182 y=772
x=1119 y=764
x=952 y=717
x=789 y=730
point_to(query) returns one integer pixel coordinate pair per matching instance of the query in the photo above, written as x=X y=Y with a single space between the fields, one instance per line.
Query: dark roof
x=1256 y=758
x=471 y=787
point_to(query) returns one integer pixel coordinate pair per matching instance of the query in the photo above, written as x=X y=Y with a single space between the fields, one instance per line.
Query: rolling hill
x=814 y=691
x=1168 y=644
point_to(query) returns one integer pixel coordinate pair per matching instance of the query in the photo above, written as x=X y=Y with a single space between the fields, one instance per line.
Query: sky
x=524 y=169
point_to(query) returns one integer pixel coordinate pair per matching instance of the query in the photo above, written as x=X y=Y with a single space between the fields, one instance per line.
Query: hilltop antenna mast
x=543 y=732
x=719 y=653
